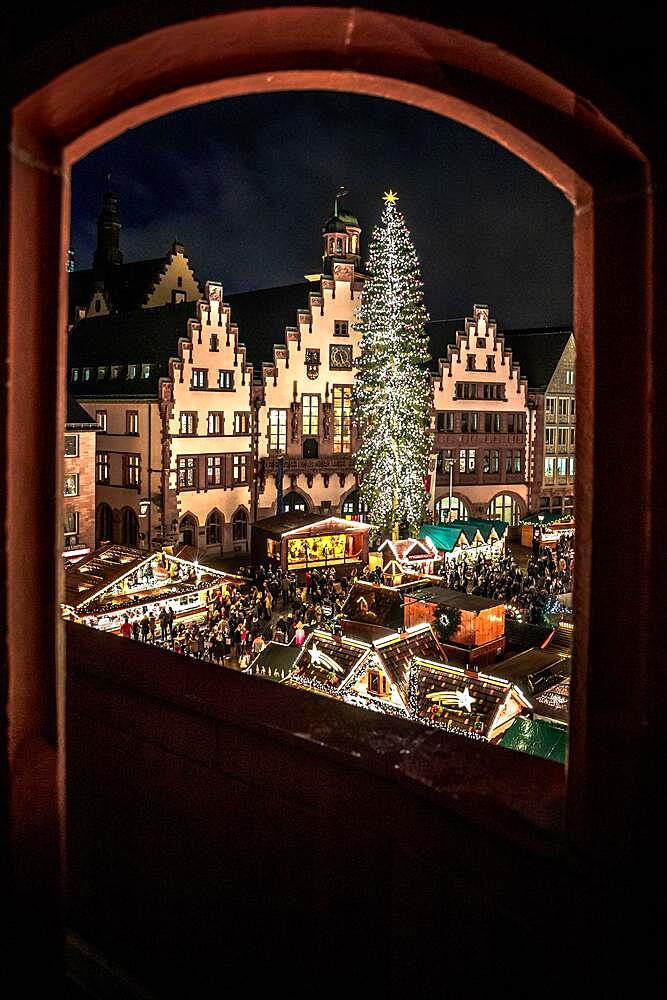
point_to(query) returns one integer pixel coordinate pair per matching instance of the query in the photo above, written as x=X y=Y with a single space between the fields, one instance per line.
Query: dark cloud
x=246 y=184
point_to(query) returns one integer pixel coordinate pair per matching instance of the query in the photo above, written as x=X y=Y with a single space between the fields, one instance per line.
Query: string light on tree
x=392 y=392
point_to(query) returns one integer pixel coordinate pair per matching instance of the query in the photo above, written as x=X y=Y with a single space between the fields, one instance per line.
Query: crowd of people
x=528 y=593
x=271 y=604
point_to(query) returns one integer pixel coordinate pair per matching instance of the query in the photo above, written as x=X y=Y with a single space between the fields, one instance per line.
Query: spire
x=341 y=235
x=108 y=252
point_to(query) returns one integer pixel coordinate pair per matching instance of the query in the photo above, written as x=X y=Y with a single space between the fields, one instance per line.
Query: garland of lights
x=392 y=391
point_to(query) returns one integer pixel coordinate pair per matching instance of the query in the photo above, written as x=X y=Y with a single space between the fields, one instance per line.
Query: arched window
x=188 y=531
x=104 y=527
x=457 y=511
x=129 y=527
x=504 y=508
x=294 y=501
x=353 y=508
x=240 y=525
x=214 y=528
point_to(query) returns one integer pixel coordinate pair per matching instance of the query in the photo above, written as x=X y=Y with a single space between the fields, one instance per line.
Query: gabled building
x=79 y=484
x=480 y=423
x=548 y=360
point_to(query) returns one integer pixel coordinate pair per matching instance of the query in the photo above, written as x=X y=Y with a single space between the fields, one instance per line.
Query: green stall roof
x=444 y=536
x=547 y=518
x=537 y=737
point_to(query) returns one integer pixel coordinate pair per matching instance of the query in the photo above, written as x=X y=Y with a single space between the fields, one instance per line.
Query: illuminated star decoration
x=320 y=659
x=391 y=197
x=461 y=698
x=464 y=699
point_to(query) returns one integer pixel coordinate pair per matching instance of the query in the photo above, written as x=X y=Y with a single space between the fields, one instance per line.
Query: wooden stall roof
x=276 y=659
x=298 y=522
x=533 y=669
x=384 y=605
x=324 y=656
x=471 y=701
x=396 y=653
x=434 y=594
x=98 y=571
x=403 y=548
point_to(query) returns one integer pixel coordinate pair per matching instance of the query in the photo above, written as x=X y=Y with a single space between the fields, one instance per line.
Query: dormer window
x=145 y=371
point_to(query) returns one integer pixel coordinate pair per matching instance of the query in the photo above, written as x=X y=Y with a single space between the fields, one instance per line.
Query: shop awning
x=445 y=537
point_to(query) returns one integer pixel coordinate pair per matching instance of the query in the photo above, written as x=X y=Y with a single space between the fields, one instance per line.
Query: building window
x=569 y=376
x=75 y=374
x=240 y=468
x=548 y=468
x=277 y=430
x=177 y=296
x=188 y=422
x=508 y=462
x=213 y=528
x=550 y=437
x=102 y=467
x=71 y=485
x=342 y=409
x=132 y=422
x=563 y=436
x=572 y=429
x=241 y=423
x=466 y=460
x=131 y=371
x=199 y=378
x=240 y=526
x=213 y=345
x=571 y=462
x=440 y=422
x=444 y=512
x=493 y=423
x=226 y=380
x=341 y=328
x=215 y=470
x=101 y=372
x=517 y=461
x=550 y=406
x=511 y=423
x=573 y=406
x=71 y=445
x=294 y=501
x=145 y=371
x=469 y=423
x=215 y=423
x=131 y=465
x=471 y=363
x=444 y=460
x=490 y=362
x=101 y=419
x=353 y=507
x=116 y=370
x=87 y=374
x=563 y=406
x=561 y=467
x=71 y=523
x=187 y=472
x=310 y=408
x=491 y=461
x=504 y=508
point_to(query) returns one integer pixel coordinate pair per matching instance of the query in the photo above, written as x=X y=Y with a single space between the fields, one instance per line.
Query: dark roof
x=77 y=416
x=290 y=521
x=144 y=336
x=533 y=670
x=275 y=661
x=262 y=316
x=521 y=635
x=327 y=659
x=537 y=351
x=384 y=605
x=537 y=737
x=486 y=693
x=396 y=653
x=433 y=594
x=334 y=225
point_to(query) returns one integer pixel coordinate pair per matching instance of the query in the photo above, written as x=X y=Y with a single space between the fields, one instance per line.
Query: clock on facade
x=340 y=357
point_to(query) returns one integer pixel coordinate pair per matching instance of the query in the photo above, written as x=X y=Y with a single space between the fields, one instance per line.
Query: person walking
x=145 y=628
x=126 y=628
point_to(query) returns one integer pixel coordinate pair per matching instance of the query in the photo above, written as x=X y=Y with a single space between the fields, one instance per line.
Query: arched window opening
x=129 y=527
x=504 y=508
x=446 y=511
x=294 y=501
x=104 y=526
x=214 y=528
x=188 y=531
x=353 y=508
x=240 y=526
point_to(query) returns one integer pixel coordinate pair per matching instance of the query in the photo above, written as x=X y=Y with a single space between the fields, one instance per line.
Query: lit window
x=310 y=415
x=199 y=378
x=131 y=371
x=277 y=430
x=517 y=461
x=71 y=485
x=101 y=419
x=215 y=470
x=71 y=523
x=467 y=460
x=561 y=466
x=132 y=422
x=342 y=409
x=145 y=371
x=550 y=406
x=131 y=470
x=569 y=376
x=241 y=423
x=226 y=380
x=548 y=468
x=71 y=445
x=87 y=374
x=101 y=372
x=571 y=461
x=188 y=422
x=187 y=472
x=215 y=423
x=240 y=468
x=102 y=467
x=75 y=374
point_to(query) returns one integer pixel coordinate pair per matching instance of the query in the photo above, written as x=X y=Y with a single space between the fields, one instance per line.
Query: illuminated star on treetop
x=391 y=197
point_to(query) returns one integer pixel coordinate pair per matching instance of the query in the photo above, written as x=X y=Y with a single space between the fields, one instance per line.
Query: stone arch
x=188 y=529
x=351 y=505
x=103 y=524
x=214 y=526
x=297 y=496
x=460 y=505
x=496 y=78
x=240 y=523
x=129 y=527
x=518 y=507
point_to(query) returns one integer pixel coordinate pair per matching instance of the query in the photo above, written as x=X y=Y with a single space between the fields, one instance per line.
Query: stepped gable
x=264 y=315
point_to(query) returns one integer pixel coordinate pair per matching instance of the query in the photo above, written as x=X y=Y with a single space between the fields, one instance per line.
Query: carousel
x=116 y=581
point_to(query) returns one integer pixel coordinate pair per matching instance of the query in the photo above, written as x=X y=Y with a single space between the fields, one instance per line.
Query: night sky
x=246 y=184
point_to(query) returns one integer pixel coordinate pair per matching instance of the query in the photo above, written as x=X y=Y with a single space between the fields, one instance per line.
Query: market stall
x=116 y=581
x=548 y=527
x=300 y=541
x=409 y=555
x=466 y=539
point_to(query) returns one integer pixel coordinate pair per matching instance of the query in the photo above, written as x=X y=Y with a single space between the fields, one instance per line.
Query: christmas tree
x=392 y=392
